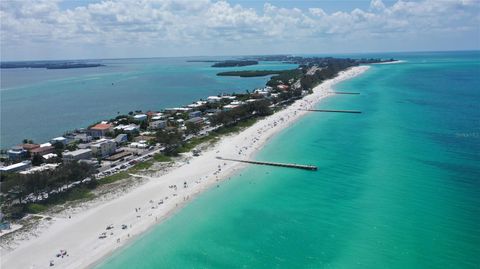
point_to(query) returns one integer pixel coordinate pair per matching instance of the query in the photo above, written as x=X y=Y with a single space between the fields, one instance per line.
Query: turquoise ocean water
x=40 y=104
x=397 y=187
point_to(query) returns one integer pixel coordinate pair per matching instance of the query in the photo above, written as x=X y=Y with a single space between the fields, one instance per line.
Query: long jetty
x=337 y=111
x=346 y=92
x=288 y=165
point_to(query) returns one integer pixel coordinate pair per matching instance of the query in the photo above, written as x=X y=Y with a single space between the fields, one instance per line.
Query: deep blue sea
x=398 y=186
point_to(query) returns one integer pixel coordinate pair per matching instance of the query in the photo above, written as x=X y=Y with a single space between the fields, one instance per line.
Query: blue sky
x=56 y=29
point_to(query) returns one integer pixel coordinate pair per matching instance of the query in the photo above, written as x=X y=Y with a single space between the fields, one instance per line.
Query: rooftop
x=29 y=146
x=44 y=167
x=41 y=149
x=13 y=166
x=77 y=152
x=101 y=126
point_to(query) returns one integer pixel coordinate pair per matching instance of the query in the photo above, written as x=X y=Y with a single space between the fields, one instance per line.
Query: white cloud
x=206 y=23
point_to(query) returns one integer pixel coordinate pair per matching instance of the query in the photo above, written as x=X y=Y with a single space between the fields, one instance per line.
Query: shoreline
x=79 y=235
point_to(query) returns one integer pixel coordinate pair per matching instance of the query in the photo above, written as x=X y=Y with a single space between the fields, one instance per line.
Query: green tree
x=37 y=160
x=192 y=128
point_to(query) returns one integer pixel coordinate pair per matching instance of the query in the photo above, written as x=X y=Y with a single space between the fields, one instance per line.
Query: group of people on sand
x=61 y=254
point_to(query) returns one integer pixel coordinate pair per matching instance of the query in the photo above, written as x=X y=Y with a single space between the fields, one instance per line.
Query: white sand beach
x=142 y=207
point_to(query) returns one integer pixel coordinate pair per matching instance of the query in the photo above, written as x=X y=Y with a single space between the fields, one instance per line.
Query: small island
x=48 y=65
x=250 y=73
x=226 y=63
x=234 y=63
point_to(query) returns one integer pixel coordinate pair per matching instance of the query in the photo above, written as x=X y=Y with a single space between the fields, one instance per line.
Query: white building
x=59 y=139
x=49 y=156
x=237 y=103
x=214 y=99
x=228 y=97
x=197 y=104
x=43 y=167
x=262 y=92
x=159 y=124
x=158 y=116
x=140 y=117
x=140 y=145
x=104 y=147
x=127 y=128
x=16 y=167
x=77 y=155
x=230 y=107
x=85 y=138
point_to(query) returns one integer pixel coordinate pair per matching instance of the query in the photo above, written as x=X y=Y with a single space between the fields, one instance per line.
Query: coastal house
x=16 y=153
x=262 y=92
x=180 y=122
x=49 y=156
x=28 y=147
x=195 y=114
x=43 y=167
x=104 y=147
x=140 y=117
x=130 y=128
x=228 y=97
x=139 y=145
x=43 y=150
x=174 y=110
x=158 y=124
x=121 y=138
x=196 y=120
x=237 y=103
x=214 y=99
x=99 y=130
x=158 y=116
x=82 y=137
x=283 y=87
x=197 y=104
x=21 y=166
x=62 y=140
x=212 y=112
x=230 y=107
x=77 y=155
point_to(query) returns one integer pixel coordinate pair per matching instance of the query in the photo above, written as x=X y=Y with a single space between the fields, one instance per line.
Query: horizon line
x=239 y=55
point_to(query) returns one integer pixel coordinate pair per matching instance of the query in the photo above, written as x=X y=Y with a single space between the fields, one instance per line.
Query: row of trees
x=17 y=186
x=258 y=108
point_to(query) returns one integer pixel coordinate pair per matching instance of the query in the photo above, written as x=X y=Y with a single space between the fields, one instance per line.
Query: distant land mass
x=303 y=62
x=48 y=65
x=250 y=73
x=227 y=63
x=233 y=63
x=203 y=61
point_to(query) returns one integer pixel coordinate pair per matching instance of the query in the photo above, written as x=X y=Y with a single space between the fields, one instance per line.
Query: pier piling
x=336 y=111
x=288 y=165
x=346 y=92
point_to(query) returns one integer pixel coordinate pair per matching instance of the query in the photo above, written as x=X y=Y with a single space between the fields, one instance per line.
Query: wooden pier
x=337 y=111
x=346 y=92
x=288 y=165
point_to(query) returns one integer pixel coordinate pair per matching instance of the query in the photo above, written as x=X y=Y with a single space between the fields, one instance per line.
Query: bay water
x=41 y=104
